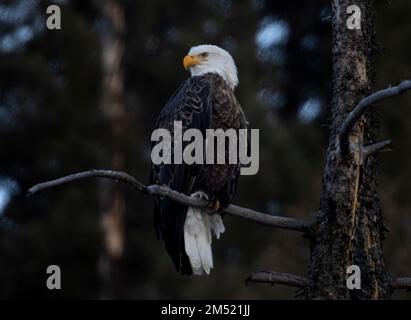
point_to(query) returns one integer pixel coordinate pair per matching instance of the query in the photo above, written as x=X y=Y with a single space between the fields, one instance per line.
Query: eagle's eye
x=204 y=55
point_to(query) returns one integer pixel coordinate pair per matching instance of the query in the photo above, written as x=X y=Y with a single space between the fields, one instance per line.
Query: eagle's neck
x=229 y=76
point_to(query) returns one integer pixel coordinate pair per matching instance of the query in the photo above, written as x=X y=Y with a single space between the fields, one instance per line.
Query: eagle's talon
x=216 y=204
x=200 y=194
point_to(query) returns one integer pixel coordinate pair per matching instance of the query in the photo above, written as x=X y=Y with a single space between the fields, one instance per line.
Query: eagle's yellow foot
x=216 y=204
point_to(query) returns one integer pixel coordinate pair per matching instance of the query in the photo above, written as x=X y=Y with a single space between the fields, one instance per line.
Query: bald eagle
x=206 y=100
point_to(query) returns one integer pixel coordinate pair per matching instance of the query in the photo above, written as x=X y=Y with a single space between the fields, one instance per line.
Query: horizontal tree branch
x=273 y=277
x=279 y=278
x=402 y=283
x=115 y=175
x=164 y=191
x=363 y=106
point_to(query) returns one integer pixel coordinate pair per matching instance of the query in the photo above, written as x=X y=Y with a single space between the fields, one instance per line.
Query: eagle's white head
x=212 y=59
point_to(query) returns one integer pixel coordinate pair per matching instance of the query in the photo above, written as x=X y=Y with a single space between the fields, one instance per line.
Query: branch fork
x=363 y=106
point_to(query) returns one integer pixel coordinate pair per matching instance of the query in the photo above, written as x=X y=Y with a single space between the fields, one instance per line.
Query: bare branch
x=279 y=278
x=377 y=147
x=363 y=106
x=269 y=220
x=164 y=191
x=115 y=175
x=402 y=283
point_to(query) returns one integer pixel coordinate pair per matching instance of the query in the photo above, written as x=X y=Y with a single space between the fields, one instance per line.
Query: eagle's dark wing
x=219 y=181
x=191 y=104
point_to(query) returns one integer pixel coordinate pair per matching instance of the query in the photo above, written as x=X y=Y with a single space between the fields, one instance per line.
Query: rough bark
x=349 y=223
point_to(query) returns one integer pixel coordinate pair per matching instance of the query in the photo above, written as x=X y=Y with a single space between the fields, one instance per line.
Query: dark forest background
x=52 y=123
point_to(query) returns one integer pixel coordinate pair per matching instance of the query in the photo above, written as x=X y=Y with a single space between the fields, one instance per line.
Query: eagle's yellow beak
x=190 y=61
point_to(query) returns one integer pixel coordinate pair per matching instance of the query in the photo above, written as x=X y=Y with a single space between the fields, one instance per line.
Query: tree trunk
x=349 y=223
x=112 y=106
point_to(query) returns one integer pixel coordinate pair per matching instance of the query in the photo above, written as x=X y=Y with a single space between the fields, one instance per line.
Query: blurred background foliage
x=52 y=124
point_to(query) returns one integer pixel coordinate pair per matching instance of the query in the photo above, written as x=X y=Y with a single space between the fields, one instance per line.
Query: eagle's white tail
x=198 y=229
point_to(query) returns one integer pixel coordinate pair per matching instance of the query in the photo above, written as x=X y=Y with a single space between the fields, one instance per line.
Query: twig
x=279 y=278
x=402 y=283
x=363 y=106
x=115 y=175
x=164 y=191
x=377 y=147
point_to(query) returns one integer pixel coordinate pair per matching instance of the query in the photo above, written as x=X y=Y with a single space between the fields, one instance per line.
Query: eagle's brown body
x=202 y=102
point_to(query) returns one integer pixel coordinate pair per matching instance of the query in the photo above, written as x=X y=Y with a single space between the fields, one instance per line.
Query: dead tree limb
x=402 y=283
x=363 y=106
x=273 y=277
x=164 y=191
x=115 y=175
x=377 y=147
